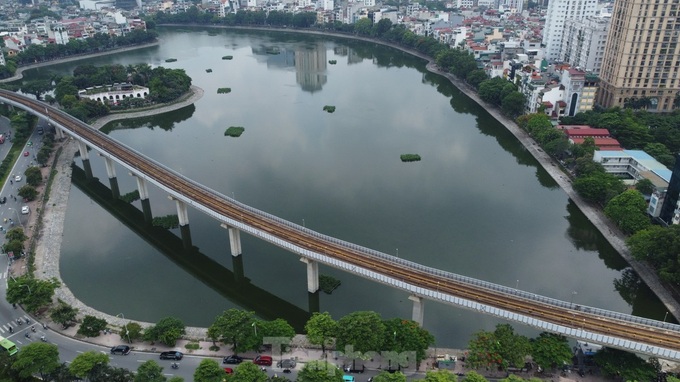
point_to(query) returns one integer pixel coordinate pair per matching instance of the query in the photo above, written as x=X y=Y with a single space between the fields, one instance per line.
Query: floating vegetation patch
x=332 y=62
x=234 y=131
x=223 y=90
x=130 y=196
x=171 y=60
x=208 y=70
x=167 y=222
x=227 y=57
x=410 y=157
x=328 y=283
x=329 y=108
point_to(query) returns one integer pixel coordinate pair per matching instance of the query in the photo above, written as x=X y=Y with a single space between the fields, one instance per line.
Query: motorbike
x=175 y=365
x=33 y=328
x=43 y=339
x=11 y=330
x=27 y=321
x=19 y=321
x=44 y=326
x=27 y=335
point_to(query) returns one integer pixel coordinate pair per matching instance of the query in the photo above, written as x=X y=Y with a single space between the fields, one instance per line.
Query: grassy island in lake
x=410 y=157
x=171 y=60
x=328 y=283
x=223 y=90
x=329 y=108
x=227 y=57
x=332 y=62
x=234 y=131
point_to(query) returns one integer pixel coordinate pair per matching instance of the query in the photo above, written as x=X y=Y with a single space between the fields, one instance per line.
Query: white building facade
x=583 y=42
x=558 y=12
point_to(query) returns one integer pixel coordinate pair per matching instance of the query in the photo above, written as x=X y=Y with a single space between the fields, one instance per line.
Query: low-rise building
x=112 y=94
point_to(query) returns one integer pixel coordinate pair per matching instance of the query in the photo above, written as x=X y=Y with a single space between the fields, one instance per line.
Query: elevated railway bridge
x=590 y=324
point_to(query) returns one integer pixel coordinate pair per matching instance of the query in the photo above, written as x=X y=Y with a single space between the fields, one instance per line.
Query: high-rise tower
x=641 y=59
x=559 y=11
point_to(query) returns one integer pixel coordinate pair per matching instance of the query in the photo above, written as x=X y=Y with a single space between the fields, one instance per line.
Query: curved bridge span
x=590 y=324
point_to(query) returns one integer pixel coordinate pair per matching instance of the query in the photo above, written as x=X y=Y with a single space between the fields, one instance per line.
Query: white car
x=17 y=178
x=25 y=210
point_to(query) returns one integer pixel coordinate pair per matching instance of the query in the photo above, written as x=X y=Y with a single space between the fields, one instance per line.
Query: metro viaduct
x=594 y=325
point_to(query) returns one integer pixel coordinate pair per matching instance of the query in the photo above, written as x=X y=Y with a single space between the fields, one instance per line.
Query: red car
x=26 y=153
x=228 y=370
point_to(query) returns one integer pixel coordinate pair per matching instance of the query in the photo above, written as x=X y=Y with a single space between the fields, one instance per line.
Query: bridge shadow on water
x=234 y=286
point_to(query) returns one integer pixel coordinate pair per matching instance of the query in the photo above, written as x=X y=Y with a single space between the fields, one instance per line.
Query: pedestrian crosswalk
x=3 y=275
x=5 y=328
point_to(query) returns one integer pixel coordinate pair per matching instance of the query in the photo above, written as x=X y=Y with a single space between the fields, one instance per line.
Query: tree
x=28 y=192
x=235 y=326
x=32 y=293
x=33 y=176
x=385 y=376
x=321 y=329
x=37 y=358
x=37 y=87
x=403 y=336
x=168 y=330
x=624 y=365
x=549 y=350
x=473 y=376
x=319 y=371
x=92 y=326
x=278 y=328
x=248 y=372
x=150 y=371
x=63 y=314
x=629 y=211
x=599 y=187
x=364 y=26
x=645 y=186
x=134 y=331
x=82 y=365
x=483 y=351
x=441 y=375
x=513 y=347
x=364 y=331
x=208 y=371
x=513 y=104
x=16 y=233
x=476 y=77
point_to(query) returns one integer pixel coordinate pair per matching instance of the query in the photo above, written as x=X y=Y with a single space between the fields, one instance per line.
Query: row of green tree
x=97 y=43
x=503 y=348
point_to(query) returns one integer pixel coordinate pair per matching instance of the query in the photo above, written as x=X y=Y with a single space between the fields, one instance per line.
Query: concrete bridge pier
x=144 y=196
x=183 y=217
x=312 y=274
x=113 y=181
x=234 y=240
x=60 y=133
x=418 y=314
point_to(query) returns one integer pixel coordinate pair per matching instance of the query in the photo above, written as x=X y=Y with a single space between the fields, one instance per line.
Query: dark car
x=286 y=364
x=3 y=200
x=232 y=359
x=120 y=349
x=176 y=355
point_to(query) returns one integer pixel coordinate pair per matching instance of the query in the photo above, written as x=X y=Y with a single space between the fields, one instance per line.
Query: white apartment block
x=558 y=12
x=515 y=6
x=465 y=3
x=328 y=5
x=583 y=42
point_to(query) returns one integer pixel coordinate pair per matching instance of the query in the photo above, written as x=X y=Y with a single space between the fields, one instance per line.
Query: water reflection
x=167 y=121
x=310 y=67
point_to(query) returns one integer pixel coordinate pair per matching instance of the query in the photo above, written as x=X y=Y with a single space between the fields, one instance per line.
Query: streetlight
x=397 y=252
x=303 y=222
x=254 y=325
x=517 y=284
x=665 y=316
x=573 y=293
x=127 y=332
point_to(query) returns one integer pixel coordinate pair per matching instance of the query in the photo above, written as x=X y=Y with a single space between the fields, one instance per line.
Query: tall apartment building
x=583 y=42
x=559 y=11
x=642 y=59
x=517 y=6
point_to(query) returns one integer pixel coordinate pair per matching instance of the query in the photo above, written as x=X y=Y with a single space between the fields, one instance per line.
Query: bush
x=167 y=222
x=329 y=108
x=168 y=330
x=332 y=62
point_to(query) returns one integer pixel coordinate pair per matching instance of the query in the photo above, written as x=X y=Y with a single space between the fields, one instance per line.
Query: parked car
x=41 y=131
x=120 y=349
x=232 y=359
x=17 y=178
x=286 y=364
x=26 y=153
x=176 y=355
x=347 y=378
x=3 y=200
x=263 y=360
x=25 y=210
x=228 y=370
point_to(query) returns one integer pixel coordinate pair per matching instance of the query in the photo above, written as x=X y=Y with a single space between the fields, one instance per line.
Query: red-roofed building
x=577 y=134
